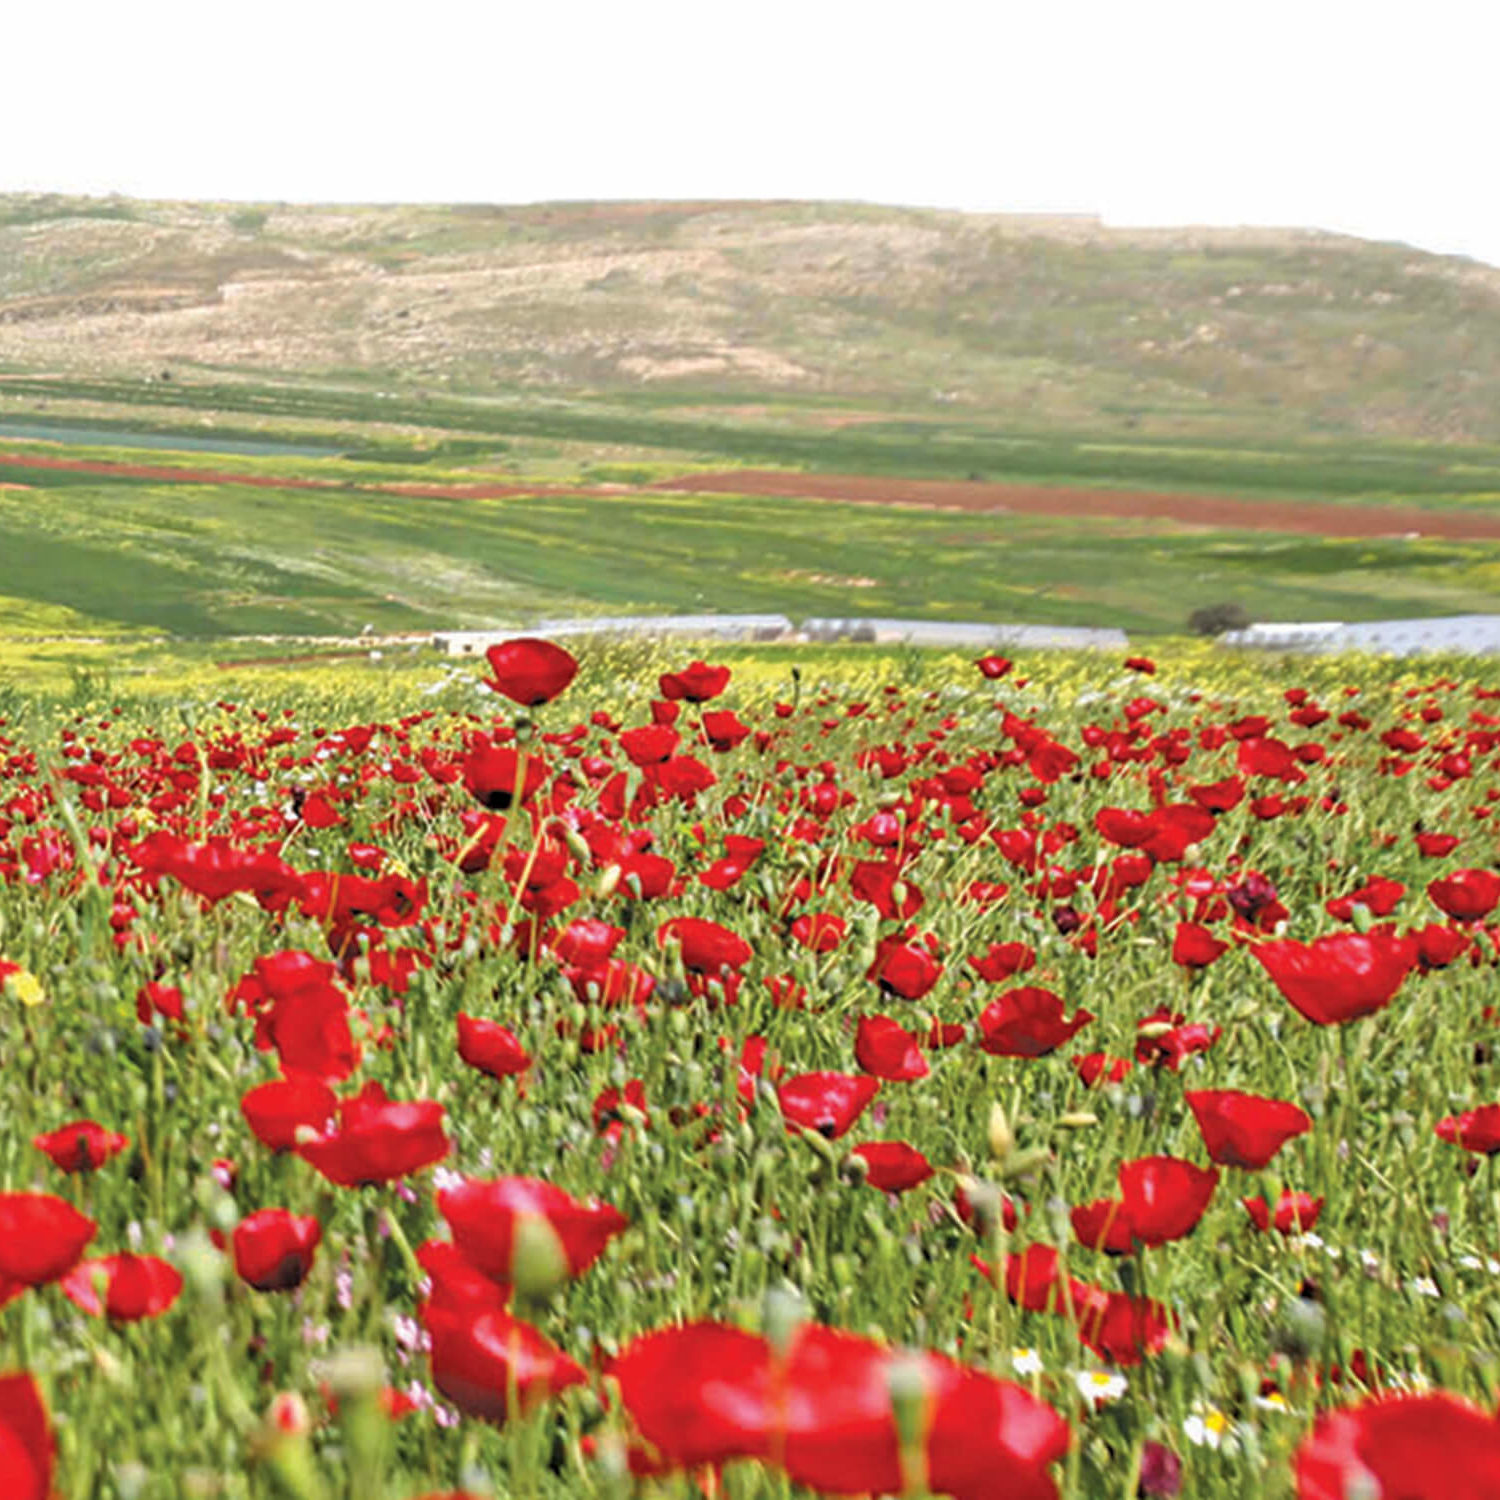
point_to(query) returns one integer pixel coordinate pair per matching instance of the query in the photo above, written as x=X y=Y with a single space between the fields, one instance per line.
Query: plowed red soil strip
x=1216 y=511
x=168 y=475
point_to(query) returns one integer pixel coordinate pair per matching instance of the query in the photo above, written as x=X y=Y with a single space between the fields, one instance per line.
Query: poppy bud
x=1078 y=1119
x=539 y=1260
x=577 y=847
x=609 y=882
x=1024 y=1162
x=781 y=1317
x=352 y=1373
x=906 y=1381
x=1192 y=857
x=1361 y=917
x=1002 y=1140
x=288 y=1414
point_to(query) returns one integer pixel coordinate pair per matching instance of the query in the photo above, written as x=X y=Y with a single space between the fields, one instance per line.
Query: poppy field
x=1068 y=1077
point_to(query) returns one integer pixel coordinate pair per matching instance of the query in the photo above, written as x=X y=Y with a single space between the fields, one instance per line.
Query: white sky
x=1374 y=119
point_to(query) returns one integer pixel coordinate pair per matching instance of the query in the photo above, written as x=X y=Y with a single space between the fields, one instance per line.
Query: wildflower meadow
x=997 y=1080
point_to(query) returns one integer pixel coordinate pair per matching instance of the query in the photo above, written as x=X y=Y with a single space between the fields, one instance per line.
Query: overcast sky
x=1375 y=120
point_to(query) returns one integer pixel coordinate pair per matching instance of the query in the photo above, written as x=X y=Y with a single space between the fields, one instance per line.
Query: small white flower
x=1423 y=1286
x=1370 y=1261
x=1026 y=1361
x=1272 y=1401
x=1096 y=1386
x=1207 y=1427
x=445 y=1179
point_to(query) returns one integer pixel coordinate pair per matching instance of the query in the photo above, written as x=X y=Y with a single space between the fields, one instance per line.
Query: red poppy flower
x=274 y=1248
x=41 y=1237
x=1033 y=1278
x=310 y=1032
x=650 y=744
x=888 y=1050
x=707 y=948
x=454 y=1282
x=1435 y=1447
x=498 y=1222
x=1438 y=945
x=697 y=1393
x=479 y=1357
x=277 y=1111
x=993 y=667
x=1165 y=1196
x=1000 y=961
x=1094 y=1068
x=1245 y=1130
x=1340 y=977
x=1476 y=1130
x=217 y=869
x=1162 y=1040
x=587 y=942
x=893 y=1166
x=1027 y=1022
x=881 y=883
x=723 y=729
x=609 y=1104
x=163 y=1000
x=905 y=969
x=1195 y=947
x=989 y=1438
x=1466 y=895
x=1219 y=796
x=819 y=932
x=1142 y=664
x=1378 y=895
x=1123 y=825
x=1268 y=757
x=706 y=1393
x=377 y=1139
x=1296 y=1213
x=491 y=1047
x=1436 y=845
x=530 y=672
x=83 y=1146
x=697 y=683
x=826 y=1102
x=132 y=1286
x=27 y=1446
x=1103 y=1225
x=1120 y=1328
x=496 y=775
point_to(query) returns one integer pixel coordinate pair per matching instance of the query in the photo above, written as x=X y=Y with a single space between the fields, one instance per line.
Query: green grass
x=197 y=560
x=1301 y=467
x=725 y=1205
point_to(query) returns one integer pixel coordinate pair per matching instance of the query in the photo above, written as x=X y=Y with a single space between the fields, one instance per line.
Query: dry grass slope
x=1052 y=320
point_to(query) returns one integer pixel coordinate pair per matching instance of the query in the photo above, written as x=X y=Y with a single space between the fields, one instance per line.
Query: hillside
x=840 y=313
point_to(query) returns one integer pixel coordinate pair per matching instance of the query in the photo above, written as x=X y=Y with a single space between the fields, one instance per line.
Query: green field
x=410 y=427
x=213 y=560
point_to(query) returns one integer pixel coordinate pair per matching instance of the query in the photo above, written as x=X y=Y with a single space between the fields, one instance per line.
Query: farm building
x=1454 y=634
x=692 y=627
x=963 y=635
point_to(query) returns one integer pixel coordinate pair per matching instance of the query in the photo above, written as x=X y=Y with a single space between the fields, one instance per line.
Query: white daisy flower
x=1096 y=1386
x=1026 y=1361
x=1208 y=1427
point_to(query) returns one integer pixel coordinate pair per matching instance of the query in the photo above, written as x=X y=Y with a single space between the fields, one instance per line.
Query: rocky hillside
x=848 y=307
